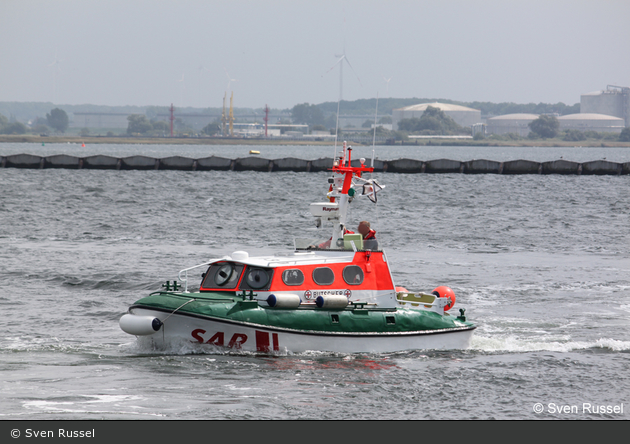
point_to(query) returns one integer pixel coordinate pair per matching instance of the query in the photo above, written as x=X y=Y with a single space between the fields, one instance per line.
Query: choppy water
x=542 y=264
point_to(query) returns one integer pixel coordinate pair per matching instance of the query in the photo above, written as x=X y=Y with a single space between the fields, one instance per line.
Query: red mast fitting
x=344 y=166
x=266 y=118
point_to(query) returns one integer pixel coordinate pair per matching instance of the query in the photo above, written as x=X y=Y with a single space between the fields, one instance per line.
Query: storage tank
x=591 y=122
x=510 y=123
x=462 y=115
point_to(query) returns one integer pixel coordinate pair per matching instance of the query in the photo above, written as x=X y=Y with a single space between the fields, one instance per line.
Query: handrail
x=186 y=270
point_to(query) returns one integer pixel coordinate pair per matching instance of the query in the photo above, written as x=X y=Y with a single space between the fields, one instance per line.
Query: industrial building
x=519 y=123
x=613 y=101
x=99 y=120
x=195 y=121
x=462 y=115
x=510 y=124
x=591 y=122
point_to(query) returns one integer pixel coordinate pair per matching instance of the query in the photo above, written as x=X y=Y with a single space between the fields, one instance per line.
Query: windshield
x=302 y=243
x=222 y=275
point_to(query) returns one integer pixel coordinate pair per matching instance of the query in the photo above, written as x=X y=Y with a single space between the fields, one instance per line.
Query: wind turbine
x=387 y=83
x=340 y=62
x=56 y=69
x=230 y=79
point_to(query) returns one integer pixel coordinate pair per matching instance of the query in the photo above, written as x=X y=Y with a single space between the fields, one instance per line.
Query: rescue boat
x=335 y=295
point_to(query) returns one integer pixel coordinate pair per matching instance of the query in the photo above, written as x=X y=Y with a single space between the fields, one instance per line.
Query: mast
x=346 y=184
x=342 y=189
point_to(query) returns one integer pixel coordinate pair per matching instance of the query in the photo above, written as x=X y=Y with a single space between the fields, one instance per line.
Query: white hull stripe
x=309 y=332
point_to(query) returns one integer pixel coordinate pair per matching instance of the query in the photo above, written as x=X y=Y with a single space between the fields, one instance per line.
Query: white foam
x=514 y=344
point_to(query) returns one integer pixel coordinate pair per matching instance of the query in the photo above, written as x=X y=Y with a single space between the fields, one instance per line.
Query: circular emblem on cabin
x=308 y=295
x=347 y=293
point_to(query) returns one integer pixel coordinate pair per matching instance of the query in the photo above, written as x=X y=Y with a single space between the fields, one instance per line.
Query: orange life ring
x=445 y=292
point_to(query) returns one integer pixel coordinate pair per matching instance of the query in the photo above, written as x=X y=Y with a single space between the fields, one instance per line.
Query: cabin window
x=257 y=278
x=293 y=276
x=223 y=274
x=323 y=276
x=353 y=275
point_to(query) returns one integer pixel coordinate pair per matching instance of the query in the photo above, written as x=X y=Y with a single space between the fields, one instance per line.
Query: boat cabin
x=359 y=275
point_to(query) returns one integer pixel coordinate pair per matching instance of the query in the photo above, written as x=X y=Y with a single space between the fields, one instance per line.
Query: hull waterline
x=251 y=337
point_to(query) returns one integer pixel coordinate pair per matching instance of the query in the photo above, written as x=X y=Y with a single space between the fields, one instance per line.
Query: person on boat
x=369 y=235
x=365 y=230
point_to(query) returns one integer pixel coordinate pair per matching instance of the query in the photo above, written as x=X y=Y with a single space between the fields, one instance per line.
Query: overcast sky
x=283 y=52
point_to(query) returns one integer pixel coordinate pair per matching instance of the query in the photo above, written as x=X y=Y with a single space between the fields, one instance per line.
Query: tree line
x=56 y=119
x=432 y=122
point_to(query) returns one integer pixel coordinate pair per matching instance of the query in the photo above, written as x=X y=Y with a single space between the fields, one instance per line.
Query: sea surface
x=541 y=264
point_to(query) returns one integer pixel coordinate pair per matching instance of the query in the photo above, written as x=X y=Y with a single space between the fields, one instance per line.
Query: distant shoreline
x=251 y=141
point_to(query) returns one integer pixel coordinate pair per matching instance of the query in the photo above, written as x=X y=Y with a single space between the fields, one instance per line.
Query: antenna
x=343 y=56
x=336 y=132
x=374 y=137
x=340 y=63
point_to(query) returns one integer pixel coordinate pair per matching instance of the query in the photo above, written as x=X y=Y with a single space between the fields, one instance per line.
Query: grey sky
x=280 y=52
